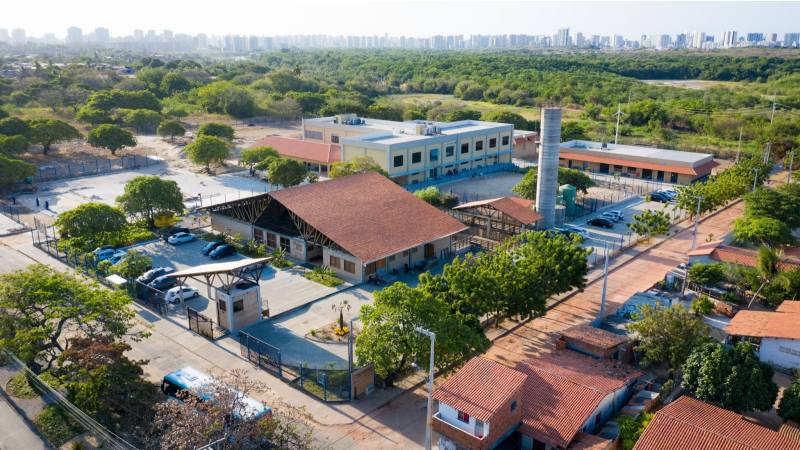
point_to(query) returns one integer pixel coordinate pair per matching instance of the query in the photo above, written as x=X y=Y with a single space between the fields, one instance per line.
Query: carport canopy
x=226 y=272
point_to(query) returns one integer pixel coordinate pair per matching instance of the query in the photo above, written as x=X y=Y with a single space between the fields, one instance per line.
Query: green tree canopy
x=12 y=126
x=733 y=378
x=50 y=131
x=286 y=172
x=206 y=150
x=707 y=274
x=117 y=99
x=789 y=407
x=773 y=204
x=519 y=122
x=91 y=116
x=41 y=307
x=527 y=187
x=13 y=170
x=463 y=114
x=145 y=196
x=171 y=128
x=571 y=131
x=173 y=83
x=90 y=220
x=143 y=119
x=111 y=137
x=133 y=264
x=13 y=145
x=359 y=164
x=762 y=231
x=650 y=222
x=250 y=157
x=668 y=334
x=216 y=129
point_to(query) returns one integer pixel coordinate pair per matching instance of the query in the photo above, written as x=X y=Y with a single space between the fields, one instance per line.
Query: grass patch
x=281 y=264
x=20 y=386
x=56 y=425
x=325 y=280
x=212 y=237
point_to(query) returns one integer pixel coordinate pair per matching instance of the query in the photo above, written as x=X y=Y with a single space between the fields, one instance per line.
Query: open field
x=691 y=84
x=530 y=113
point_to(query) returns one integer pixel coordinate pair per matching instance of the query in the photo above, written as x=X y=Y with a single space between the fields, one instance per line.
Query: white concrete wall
x=781 y=352
x=222 y=224
x=450 y=415
x=610 y=403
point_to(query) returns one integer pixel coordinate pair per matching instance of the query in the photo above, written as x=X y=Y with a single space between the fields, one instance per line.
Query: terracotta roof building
x=357 y=225
x=747 y=257
x=497 y=219
x=637 y=161
x=595 y=342
x=689 y=424
x=775 y=334
x=316 y=156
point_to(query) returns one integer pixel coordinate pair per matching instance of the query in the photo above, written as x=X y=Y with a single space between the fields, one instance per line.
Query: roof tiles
x=516 y=208
x=295 y=148
x=778 y=324
x=699 y=170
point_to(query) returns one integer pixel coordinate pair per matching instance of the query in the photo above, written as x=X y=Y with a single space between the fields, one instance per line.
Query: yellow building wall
x=497 y=142
x=378 y=156
x=448 y=159
x=510 y=141
x=320 y=129
x=399 y=169
x=422 y=154
x=349 y=152
x=458 y=149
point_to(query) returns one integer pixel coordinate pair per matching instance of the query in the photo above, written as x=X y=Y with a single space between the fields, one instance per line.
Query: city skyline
x=416 y=19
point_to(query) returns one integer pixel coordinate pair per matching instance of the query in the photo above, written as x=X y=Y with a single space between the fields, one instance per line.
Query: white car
x=117 y=257
x=174 y=294
x=669 y=193
x=619 y=213
x=577 y=230
x=180 y=238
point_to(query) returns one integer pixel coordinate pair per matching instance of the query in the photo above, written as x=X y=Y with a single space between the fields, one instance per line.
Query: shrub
x=56 y=425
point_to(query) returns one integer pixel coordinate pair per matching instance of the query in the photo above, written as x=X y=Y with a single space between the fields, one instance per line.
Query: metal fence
x=72 y=170
x=12 y=212
x=203 y=325
x=265 y=356
x=461 y=175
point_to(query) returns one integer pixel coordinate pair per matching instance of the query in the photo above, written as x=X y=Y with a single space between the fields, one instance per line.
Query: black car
x=211 y=246
x=223 y=251
x=601 y=222
x=659 y=197
x=151 y=275
x=163 y=282
x=174 y=231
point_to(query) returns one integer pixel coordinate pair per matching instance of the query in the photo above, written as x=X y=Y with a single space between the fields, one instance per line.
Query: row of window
x=317 y=135
x=238 y=305
x=335 y=261
x=449 y=151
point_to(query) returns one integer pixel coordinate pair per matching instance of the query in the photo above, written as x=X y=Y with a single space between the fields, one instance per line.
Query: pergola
x=227 y=273
x=498 y=218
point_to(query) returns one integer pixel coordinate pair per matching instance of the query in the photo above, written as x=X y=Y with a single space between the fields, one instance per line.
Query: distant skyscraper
x=788 y=38
x=101 y=35
x=699 y=39
x=618 y=41
x=680 y=40
x=168 y=36
x=74 y=36
x=755 y=37
x=138 y=35
x=728 y=39
x=151 y=35
x=773 y=37
x=4 y=36
x=202 y=41
x=252 y=44
x=18 y=36
x=580 y=41
x=562 y=38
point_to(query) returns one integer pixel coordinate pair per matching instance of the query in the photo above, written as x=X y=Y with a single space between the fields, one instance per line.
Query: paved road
x=15 y=433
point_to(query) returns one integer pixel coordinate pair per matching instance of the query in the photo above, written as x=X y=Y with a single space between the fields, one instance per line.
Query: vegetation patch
x=323 y=275
x=20 y=386
x=57 y=426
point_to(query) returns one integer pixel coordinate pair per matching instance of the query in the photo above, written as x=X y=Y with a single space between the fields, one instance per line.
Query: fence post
x=325 y=386
x=96 y=166
x=280 y=367
x=109 y=164
x=301 y=375
x=146 y=161
x=69 y=169
x=83 y=166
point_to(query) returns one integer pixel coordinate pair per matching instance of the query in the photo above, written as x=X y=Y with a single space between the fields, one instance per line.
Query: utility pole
x=791 y=161
x=755 y=179
x=605 y=282
x=696 y=220
x=740 y=144
x=430 y=387
x=618 y=114
x=774 y=100
x=766 y=153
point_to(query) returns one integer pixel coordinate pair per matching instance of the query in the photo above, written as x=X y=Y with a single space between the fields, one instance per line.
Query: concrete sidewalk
x=16 y=433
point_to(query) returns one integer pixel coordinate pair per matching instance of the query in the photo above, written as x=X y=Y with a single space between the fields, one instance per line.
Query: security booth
x=234 y=289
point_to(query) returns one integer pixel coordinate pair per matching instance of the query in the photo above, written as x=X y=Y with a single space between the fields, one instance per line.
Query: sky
x=409 y=18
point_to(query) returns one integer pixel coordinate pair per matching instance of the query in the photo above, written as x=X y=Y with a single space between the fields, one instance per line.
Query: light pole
x=755 y=178
x=791 y=161
x=766 y=153
x=350 y=346
x=618 y=114
x=430 y=387
x=696 y=219
x=605 y=283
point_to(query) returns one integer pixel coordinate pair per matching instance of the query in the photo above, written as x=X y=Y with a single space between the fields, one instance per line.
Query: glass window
x=398 y=161
x=285 y=244
x=391 y=258
x=478 y=146
x=464 y=417
x=513 y=407
x=450 y=150
x=492 y=142
x=317 y=135
x=434 y=155
x=349 y=266
x=334 y=138
x=223 y=306
x=464 y=148
x=335 y=262
x=416 y=157
x=505 y=140
x=272 y=240
x=238 y=305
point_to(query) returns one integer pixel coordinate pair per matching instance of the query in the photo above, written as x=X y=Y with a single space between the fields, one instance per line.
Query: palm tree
x=768 y=271
x=341 y=307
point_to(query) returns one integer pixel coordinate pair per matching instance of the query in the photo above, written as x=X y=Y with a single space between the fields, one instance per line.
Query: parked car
x=174 y=231
x=103 y=247
x=671 y=193
x=612 y=217
x=174 y=294
x=181 y=238
x=601 y=222
x=211 y=246
x=223 y=251
x=618 y=213
x=151 y=275
x=577 y=230
x=104 y=254
x=163 y=282
x=118 y=256
x=658 y=197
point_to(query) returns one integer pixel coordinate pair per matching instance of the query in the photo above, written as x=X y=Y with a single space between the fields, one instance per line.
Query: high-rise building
x=728 y=39
x=168 y=36
x=595 y=41
x=4 y=36
x=138 y=35
x=74 y=36
x=202 y=41
x=151 y=35
x=252 y=44
x=680 y=40
x=580 y=41
x=617 y=41
x=791 y=38
x=101 y=35
x=755 y=37
x=562 y=38
x=773 y=37
x=699 y=39
x=18 y=36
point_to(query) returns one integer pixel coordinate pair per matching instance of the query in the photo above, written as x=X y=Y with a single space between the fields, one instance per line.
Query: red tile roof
x=595 y=336
x=705 y=248
x=368 y=215
x=747 y=257
x=480 y=388
x=790 y=429
x=699 y=170
x=516 y=208
x=562 y=391
x=782 y=325
x=583 y=441
x=789 y=306
x=309 y=151
x=689 y=424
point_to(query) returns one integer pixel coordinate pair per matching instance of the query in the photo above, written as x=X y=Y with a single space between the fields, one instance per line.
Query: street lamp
x=430 y=387
x=350 y=345
x=696 y=219
x=755 y=179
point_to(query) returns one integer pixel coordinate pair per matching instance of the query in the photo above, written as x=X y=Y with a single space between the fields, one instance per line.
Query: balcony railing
x=457 y=434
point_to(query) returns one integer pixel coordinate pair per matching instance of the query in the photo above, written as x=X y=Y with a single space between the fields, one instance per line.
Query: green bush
x=20 y=385
x=325 y=280
x=56 y=425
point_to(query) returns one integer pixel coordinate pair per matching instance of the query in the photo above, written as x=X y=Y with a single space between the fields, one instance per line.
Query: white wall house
x=775 y=334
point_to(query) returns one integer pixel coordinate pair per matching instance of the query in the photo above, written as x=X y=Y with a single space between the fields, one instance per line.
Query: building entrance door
x=430 y=251
x=647 y=174
x=660 y=175
x=673 y=177
x=603 y=168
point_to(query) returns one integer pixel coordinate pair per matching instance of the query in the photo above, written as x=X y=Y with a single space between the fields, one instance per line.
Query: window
x=405 y=252
x=464 y=417
x=391 y=258
x=285 y=244
x=258 y=235
x=414 y=250
x=335 y=262
x=317 y=135
x=450 y=150
x=223 y=306
x=416 y=157
x=513 y=407
x=349 y=266
x=334 y=138
x=464 y=148
x=398 y=161
x=434 y=155
x=272 y=240
x=492 y=142
x=238 y=305
x=617 y=168
x=505 y=140
x=478 y=146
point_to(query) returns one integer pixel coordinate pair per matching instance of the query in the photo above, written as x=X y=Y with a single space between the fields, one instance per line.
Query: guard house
x=356 y=225
x=236 y=292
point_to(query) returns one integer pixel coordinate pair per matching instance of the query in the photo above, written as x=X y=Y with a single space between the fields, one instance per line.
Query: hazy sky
x=409 y=18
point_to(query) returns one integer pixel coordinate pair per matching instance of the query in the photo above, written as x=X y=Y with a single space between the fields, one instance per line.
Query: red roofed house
x=636 y=161
x=317 y=157
x=689 y=424
x=357 y=225
x=775 y=334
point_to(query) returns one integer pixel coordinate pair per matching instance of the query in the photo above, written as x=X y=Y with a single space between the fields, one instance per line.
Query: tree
x=12 y=126
x=40 y=307
x=571 y=131
x=286 y=172
x=111 y=137
x=707 y=274
x=702 y=305
x=388 y=338
x=527 y=187
x=51 y=98
x=789 y=407
x=387 y=112
x=93 y=221
x=630 y=429
x=519 y=122
x=592 y=110
x=252 y=156
x=177 y=112
x=50 y=131
x=767 y=270
x=145 y=196
x=779 y=204
x=171 y=128
x=650 y=222
x=359 y=164
x=287 y=108
x=762 y=231
x=192 y=423
x=133 y=264
x=144 y=119
x=91 y=116
x=216 y=129
x=207 y=149
x=463 y=114
x=733 y=378
x=668 y=334
x=173 y=83
x=106 y=384
x=13 y=145
x=13 y=170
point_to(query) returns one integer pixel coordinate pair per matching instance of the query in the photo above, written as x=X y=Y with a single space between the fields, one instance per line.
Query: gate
x=202 y=325
x=148 y=296
x=260 y=353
